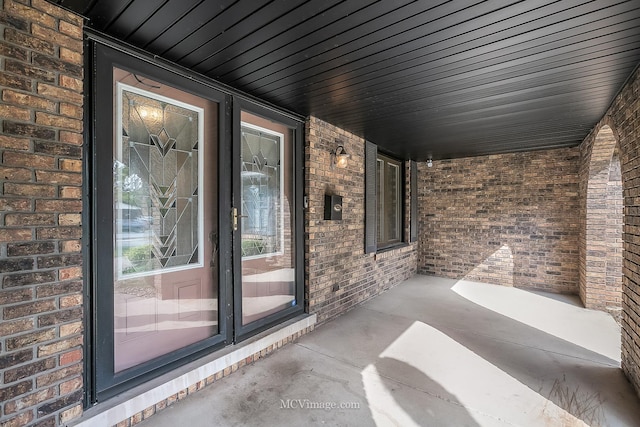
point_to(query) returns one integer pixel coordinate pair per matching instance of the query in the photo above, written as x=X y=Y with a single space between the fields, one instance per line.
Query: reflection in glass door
x=266 y=218
x=165 y=215
x=162 y=293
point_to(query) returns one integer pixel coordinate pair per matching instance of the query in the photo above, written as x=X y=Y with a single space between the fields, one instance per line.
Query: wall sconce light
x=429 y=163
x=339 y=158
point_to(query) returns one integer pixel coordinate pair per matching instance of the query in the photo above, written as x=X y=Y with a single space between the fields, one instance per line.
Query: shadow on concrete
x=420 y=354
x=587 y=385
x=438 y=407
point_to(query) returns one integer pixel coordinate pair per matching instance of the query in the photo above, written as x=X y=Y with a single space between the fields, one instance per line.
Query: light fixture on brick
x=339 y=156
x=429 y=163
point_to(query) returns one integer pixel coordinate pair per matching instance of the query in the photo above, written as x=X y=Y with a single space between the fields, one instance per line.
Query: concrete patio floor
x=433 y=352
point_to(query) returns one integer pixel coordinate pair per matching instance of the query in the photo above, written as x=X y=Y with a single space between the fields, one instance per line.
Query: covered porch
x=432 y=351
x=173 y=210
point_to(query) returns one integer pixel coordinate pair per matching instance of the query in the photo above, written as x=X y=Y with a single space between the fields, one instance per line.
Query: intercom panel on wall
x=332 y=207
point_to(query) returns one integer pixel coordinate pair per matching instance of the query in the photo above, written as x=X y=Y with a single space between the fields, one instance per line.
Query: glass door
x=268 y=283
x=156 y=213
x=165 y=205
x=186 y=256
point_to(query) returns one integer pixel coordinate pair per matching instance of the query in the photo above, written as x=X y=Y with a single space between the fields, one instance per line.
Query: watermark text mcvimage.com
x=317 y=404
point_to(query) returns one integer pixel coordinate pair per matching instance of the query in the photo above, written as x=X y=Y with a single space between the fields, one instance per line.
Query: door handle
x=235 y=218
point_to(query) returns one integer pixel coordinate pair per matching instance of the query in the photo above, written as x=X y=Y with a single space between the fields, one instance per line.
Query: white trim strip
x=140 y=402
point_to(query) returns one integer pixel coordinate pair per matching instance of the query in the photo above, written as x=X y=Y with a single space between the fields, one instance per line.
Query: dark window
x=371 y=213
x=389 y=200
x=413 y=193
x=384 y=200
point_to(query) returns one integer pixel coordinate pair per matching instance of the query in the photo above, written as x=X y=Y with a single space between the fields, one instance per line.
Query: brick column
x=601 y=217
x=624 y=122
x=41 y=84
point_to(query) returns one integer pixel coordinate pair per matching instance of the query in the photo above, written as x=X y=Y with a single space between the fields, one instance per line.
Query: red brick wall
x=335 y=249
x=506 y=219
x=41 y=83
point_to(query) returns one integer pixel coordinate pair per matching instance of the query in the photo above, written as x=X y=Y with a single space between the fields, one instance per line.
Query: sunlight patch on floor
x=593 y=330
x=386 y=411
x=444 y=369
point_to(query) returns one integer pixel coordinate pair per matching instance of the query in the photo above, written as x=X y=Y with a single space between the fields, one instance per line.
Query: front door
x=188 y=255
x=165 y=220
x=157 y=221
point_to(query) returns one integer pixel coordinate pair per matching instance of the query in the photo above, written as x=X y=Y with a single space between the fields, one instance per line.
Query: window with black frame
x=384 y=200
x=268 y=280
x=389 y=200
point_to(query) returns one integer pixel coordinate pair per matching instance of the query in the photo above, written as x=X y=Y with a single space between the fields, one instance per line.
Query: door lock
x=235 y=218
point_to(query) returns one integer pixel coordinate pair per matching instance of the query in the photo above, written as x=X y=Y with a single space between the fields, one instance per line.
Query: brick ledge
x=138 y=399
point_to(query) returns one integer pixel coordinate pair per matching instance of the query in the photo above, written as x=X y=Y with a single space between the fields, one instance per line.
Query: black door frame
x=102 y=54
x=106 y=383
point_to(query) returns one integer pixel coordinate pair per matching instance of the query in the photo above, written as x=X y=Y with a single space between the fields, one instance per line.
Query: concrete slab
x=433 y=352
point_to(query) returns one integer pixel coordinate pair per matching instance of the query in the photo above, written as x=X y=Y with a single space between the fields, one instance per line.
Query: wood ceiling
x=422 y=79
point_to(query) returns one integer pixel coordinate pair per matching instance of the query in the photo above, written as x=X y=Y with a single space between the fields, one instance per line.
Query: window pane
x=389 y=199
x=392 y=199
x=262 y=231
x=156 y=186
x=380 y=198
x=267 y=218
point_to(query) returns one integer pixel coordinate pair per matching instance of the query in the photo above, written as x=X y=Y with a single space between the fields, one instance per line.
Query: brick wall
x=613 y=236
x=624 y=120
x=504 y=219
x=335 y=249
x=41 y=82
x=601 y=215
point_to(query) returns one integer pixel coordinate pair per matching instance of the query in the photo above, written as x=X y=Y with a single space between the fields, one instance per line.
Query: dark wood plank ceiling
x=422 y=79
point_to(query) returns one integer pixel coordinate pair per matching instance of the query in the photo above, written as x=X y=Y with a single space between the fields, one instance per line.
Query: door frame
x=242 y=332
x=103 y=53
x=104 y=382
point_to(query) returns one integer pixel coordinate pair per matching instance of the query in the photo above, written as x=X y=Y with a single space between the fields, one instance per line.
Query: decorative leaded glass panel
x=156 y=183
x=268 y=218
x=262 y=225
